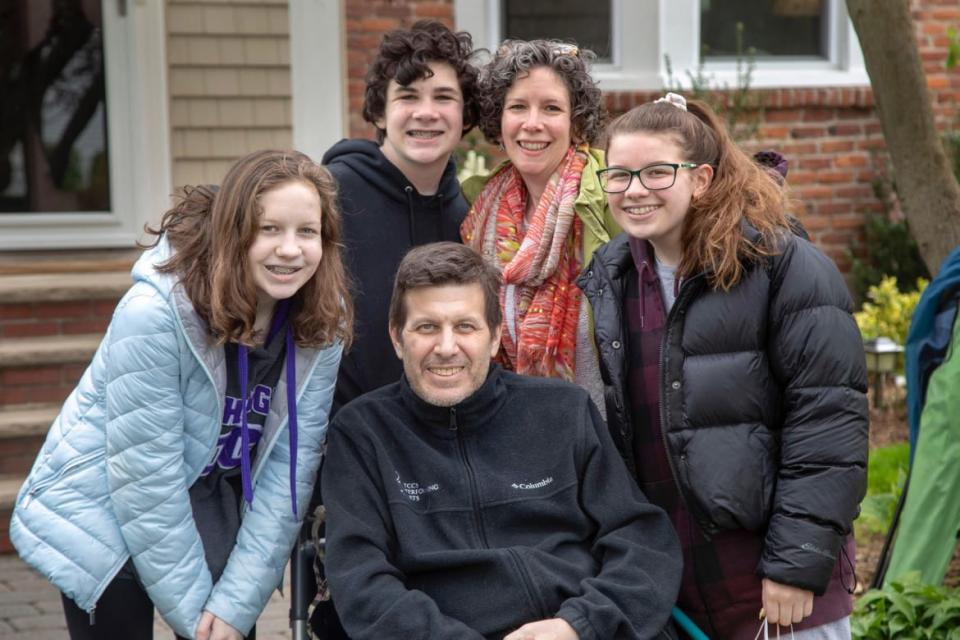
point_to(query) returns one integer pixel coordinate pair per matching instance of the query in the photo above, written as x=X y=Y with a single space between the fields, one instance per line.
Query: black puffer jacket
x=763 y=403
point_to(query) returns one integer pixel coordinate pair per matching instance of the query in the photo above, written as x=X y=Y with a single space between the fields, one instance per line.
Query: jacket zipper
x=528 y=583
x=66 y=470
x=474 y=493
x=664 y=427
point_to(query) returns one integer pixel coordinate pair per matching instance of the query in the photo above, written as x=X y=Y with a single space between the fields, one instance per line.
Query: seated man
x=465 y=501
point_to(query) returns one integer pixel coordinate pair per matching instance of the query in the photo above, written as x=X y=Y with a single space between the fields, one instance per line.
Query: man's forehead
x=459 y=301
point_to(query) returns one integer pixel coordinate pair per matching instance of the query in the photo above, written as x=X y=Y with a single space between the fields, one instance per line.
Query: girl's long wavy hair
x=713 y=239
x=211 y=231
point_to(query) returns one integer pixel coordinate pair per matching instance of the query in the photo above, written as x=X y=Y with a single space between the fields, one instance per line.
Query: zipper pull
x=93 y=616
x=27 y=499
x=453 y=418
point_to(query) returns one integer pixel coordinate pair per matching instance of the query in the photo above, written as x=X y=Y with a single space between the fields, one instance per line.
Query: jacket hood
x=145 y=268
x=366 y=159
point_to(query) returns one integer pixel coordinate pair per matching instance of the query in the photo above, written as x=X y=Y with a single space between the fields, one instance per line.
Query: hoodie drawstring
x=409 y=191
x=279 y=318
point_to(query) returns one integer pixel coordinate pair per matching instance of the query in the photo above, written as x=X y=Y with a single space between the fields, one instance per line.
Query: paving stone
x=38 y=621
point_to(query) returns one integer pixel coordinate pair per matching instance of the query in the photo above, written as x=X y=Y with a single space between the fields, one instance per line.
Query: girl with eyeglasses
x=734 y=374
x=540 y=215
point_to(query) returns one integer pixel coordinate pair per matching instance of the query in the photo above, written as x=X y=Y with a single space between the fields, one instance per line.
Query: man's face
x=423 y=120
x=445 y=343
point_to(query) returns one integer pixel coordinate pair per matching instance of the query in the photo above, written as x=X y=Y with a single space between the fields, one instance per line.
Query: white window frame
x=659 y=28
x=138 y=141
x=318 y=76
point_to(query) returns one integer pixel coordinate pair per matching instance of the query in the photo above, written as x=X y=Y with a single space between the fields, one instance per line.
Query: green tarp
x=927 y=533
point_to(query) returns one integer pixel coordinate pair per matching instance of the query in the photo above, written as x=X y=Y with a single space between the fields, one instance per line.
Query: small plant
x=907 y=610
x=953 y=48
x=886 y=473
x=888 y=249
x=472 y=156
x=887 y=311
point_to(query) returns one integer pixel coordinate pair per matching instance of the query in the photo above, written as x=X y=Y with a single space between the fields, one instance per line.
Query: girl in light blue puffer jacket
x=178 y=471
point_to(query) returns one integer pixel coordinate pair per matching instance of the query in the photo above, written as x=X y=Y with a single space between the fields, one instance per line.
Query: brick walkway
x=30 y=608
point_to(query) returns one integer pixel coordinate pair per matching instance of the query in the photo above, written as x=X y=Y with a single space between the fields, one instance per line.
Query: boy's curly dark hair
x=517 y=58
x=404 y=55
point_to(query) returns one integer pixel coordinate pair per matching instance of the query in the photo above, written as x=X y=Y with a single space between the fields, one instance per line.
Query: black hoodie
x=468 y=521
x=383 y=217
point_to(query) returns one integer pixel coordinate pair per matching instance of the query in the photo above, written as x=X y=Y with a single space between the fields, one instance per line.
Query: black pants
x=123 y=611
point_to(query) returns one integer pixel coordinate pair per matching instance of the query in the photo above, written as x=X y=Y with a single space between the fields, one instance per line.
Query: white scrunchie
x=675 y=99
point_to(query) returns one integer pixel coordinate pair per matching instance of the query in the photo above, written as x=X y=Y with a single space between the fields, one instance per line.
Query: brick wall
x=229 y=79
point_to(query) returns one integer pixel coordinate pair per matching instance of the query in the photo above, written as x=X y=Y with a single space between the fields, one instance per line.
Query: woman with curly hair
x=178 y=471
x=541 y=214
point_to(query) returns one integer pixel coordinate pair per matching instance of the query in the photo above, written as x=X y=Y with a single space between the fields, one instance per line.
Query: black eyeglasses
x=653 y=178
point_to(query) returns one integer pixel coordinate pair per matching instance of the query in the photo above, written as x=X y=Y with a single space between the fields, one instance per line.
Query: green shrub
x=887 y=311
x=888 y=249
x=907 y=610
x=886 y=473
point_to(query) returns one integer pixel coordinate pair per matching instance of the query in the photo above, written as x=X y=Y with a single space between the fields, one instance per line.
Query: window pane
x=53 y=136
x=772 y=27
x=586 y=23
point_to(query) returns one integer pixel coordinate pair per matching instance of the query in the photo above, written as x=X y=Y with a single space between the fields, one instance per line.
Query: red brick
x=834 y=208
x=872 y=143
x=850 y=160
x=814 y=192
x=95 y=325
x=15 y=311
x=851 y=221
x=856 y=191
x=808 y=132
x=784 y=115
x=814 y=222
x=104 y=307
x=26 y=330
x=834 y=146
x=27 y=376
x=845 y=129
x=773 y=133
x=834 y=177
x=62 y=309
x=819 y=162
x=818 y=115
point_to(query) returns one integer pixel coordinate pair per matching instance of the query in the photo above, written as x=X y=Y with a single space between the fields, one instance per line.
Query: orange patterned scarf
x=540 y=301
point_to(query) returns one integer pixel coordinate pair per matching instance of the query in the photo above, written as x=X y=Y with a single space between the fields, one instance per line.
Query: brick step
x=23 y=429
x=59 y=303
x=9 y=487
x=26 y=421
x=43 y=369
x=61 y=261
x=31 y=352
x=66 y=286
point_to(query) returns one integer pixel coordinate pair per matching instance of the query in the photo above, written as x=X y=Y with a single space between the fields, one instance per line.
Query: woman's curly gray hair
x=517 y=57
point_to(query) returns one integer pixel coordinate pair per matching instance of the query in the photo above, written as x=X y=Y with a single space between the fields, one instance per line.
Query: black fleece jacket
x=383 y=217
x=470 y=521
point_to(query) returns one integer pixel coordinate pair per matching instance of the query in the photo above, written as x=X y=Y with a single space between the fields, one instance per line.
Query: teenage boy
x=468 y=502
x=402 y=190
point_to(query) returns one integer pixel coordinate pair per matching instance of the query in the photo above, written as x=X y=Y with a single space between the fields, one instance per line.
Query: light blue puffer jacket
x=111 y=480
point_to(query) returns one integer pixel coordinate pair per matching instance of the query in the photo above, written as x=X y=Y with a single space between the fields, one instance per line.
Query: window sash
x=138 y=142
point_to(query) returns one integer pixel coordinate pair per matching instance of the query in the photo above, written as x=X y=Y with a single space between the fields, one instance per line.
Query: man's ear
x=495 y=343
x=397 y=341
